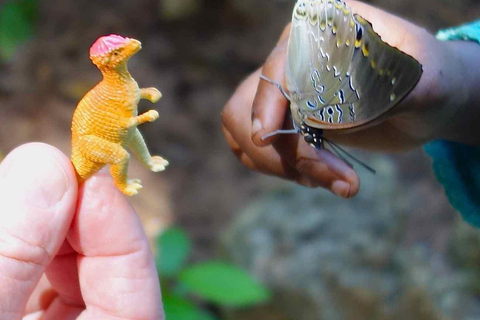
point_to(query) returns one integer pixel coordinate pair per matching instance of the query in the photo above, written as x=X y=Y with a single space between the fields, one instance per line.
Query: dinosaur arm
x=149 y=116
x=151 y=94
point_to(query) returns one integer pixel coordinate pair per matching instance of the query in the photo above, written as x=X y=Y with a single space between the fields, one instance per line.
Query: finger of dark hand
x=236 y=121
x=270 y=106
x=318 y=168
x=290 y=157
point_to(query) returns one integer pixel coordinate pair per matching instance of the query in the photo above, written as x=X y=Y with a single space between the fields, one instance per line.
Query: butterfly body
x=313 y=136
x=339 y=73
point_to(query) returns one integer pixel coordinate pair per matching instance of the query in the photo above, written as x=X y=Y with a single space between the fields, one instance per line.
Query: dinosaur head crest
x=105 y=44
x=113 y=50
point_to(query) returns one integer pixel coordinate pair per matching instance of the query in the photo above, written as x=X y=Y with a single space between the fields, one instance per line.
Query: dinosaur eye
x=115 y=53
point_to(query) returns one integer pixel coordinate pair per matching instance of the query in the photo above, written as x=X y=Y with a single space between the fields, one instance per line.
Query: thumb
x=38 y=192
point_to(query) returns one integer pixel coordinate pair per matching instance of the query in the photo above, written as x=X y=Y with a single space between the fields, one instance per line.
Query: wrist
x=461 y=92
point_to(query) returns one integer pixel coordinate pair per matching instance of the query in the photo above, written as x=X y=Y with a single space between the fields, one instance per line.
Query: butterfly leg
x=278 y=85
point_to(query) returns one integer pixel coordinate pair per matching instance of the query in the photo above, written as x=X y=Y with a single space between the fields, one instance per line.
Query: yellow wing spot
x=339 y=43
x=334 y=28
x=347 y=42
x=301 y=13
x=365 y=49
x=373 y=64
x=381 y=72
x=313 y=19
x=358 y=43
x=352 y=23
x=361 y=20
x=338 y=5
x=393 y=97
x=330 y=21
x=323 y=25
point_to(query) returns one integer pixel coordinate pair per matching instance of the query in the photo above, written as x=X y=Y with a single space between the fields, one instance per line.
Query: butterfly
x=339 y=73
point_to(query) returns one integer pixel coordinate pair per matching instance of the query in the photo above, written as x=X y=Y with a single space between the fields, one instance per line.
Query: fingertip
x=347 y=188
x=105 y=223
x=321 y=168
x=258 y=134
x=352 y=178
x=340 y=188
x=40 y=162
x=38 y=180
x=347 y=183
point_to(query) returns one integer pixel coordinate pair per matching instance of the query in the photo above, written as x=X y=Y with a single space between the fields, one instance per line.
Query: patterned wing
x=339 y=72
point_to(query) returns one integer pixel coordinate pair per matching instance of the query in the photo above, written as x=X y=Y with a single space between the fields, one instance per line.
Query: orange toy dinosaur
x=106 y=119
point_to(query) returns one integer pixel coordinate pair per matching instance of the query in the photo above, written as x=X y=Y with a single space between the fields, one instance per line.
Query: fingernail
x=341 y=188
x=37 y=181
x=350 y=175
x=256 y=126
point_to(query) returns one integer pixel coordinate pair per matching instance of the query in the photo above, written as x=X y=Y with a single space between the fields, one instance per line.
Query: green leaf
x=173 y=248
x=16 y=24
x=224 y=284
x=177 y=308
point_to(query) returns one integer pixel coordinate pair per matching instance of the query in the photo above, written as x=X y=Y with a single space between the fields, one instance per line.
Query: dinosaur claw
x=155 y=95
x=158 y=164
x=132 y=187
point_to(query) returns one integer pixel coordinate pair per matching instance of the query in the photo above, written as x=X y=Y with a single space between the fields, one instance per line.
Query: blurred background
x=235 y=244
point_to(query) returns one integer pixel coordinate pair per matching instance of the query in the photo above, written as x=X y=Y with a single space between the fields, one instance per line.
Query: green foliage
x=173 y=250
x=214 y=282
x=179 y=308
x=224 y=284
x=17 y=19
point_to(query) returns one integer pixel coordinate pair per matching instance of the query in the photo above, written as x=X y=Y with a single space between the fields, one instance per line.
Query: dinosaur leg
x=84 y=167
x=139 y=148
x=101 y=152
x=150 y=94
x=149 y=116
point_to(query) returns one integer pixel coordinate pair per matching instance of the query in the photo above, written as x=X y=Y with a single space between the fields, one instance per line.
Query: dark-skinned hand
x=442 y=105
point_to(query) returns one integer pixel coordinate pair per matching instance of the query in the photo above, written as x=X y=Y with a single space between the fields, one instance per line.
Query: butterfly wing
x=339 y=72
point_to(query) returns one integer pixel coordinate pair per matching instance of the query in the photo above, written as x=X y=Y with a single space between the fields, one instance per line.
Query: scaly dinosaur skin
x=106 y=119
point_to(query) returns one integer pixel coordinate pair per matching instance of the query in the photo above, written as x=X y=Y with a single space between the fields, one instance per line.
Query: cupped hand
x=88 y=242
x=430 y=111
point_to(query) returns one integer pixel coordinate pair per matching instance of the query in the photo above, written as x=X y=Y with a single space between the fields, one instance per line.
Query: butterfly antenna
x=337 y=152
x=336 y=148
x=278 y=85
x=274 y=133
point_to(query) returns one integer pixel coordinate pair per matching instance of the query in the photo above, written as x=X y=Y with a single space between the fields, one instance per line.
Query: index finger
x=270 y=106
x=116 y=269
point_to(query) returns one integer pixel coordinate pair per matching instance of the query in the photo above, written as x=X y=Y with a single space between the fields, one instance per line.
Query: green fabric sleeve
x=457 y=165
x=469 y=32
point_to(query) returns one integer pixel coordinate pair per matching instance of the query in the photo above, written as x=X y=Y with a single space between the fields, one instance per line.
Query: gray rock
x=329 y=258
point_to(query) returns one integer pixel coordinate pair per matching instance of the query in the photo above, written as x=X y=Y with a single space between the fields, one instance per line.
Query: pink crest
x=106 y=44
